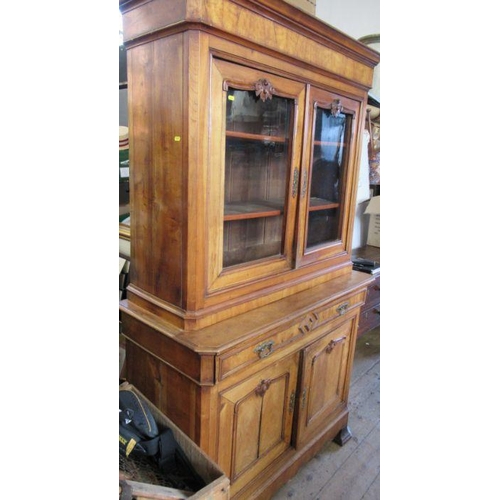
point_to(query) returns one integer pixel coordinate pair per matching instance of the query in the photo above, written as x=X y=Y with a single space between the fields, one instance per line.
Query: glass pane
x=256 y=175
x=245 y=112
x=331 y=136
x=246 y=240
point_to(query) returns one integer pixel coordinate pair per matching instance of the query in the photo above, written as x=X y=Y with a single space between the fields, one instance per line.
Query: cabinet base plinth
x=343 y=436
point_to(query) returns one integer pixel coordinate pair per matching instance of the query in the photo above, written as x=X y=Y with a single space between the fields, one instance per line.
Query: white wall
x=355 y=18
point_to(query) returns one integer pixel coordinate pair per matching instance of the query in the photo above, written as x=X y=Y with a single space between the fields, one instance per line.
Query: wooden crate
x=217 y=487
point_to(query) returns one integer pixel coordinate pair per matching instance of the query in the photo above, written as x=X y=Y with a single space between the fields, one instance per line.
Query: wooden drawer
x=271 y=342
x=369 y=319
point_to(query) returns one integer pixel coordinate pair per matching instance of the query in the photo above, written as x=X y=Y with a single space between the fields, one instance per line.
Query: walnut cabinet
x=242 y=309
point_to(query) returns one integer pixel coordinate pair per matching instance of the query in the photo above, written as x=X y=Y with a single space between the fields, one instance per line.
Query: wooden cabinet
x=245 y=119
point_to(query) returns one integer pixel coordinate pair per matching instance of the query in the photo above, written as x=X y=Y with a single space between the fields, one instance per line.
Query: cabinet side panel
x=156 y=157
x=173 y=394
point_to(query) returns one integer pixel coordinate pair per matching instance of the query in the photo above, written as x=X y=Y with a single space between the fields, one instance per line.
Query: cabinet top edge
x=209 y=340
x=197 y=11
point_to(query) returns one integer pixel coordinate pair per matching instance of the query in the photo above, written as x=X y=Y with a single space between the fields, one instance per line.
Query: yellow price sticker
x=230 y=97
x=177 y=138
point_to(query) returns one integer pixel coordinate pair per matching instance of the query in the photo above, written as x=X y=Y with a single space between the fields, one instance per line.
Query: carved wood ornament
x=336 y=108
x=309 y=323
x=261 y=389
x=264 y=89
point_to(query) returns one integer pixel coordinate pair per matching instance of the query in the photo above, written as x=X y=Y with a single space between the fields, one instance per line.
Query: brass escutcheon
x=291 y=404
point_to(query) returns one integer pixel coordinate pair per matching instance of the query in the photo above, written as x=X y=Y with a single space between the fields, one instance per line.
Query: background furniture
x=370 y=312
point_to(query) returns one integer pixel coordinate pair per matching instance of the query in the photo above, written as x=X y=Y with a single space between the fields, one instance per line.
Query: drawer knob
x=342 y=309
x=264 y=349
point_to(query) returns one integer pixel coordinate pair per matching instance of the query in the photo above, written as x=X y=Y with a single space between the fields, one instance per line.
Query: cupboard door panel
x=324 y=385
x=255 y=120
x=328 y=175
x=325 y=365
x=255 y=425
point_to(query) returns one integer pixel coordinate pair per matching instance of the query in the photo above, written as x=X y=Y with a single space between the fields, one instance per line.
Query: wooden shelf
x=255 y=137
x=320 y=204
x=251 y=210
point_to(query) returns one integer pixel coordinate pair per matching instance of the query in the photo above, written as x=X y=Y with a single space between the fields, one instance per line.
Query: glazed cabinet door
x=327 y=177
x=325 y=381
x=255 y=118
x=255 y=424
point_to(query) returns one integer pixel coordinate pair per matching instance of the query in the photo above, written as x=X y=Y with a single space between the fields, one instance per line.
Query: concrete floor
x=350 y=472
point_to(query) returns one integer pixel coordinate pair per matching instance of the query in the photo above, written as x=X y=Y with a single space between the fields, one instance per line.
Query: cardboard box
x=308 y=6
x=217 y=484
x=373 y=210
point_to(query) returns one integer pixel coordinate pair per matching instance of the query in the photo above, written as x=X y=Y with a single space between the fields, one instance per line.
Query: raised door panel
x=329 y=160
x=255 y=118
x=255 y=425
x=324 y=385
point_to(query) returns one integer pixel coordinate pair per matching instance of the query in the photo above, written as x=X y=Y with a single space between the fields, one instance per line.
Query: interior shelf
x=255 y=137
x=251 y=210
x=321 y=204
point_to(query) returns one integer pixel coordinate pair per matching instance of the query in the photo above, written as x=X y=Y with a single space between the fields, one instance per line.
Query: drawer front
x=271 y=342
x=373 y=292
x=369 y=319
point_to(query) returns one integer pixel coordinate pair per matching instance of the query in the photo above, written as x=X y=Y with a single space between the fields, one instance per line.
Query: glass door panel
x=332 y=131
x=257 y=163
x=253 y=174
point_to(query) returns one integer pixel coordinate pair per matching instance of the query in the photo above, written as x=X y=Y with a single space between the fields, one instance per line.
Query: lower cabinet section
x=260 y=404
x=275 y=410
